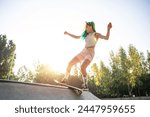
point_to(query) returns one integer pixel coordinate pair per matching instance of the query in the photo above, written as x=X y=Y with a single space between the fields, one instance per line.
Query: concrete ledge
x=13 y=90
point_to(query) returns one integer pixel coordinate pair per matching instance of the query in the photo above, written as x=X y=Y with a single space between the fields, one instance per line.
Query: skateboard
x=77 y=90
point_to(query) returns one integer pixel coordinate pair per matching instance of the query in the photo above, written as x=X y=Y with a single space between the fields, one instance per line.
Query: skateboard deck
x=77 y=90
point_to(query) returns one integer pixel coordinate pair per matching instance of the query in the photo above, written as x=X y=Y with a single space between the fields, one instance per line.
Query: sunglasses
x=89 y=23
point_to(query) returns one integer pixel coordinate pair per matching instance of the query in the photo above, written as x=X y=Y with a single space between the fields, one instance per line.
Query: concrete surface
x=12 y=90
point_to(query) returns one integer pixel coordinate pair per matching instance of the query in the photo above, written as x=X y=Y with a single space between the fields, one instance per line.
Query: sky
x=37 y=28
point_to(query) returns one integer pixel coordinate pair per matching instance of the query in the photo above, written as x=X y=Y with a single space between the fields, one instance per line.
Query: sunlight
x=51 y=46
x=37 y=30
x=60 y=52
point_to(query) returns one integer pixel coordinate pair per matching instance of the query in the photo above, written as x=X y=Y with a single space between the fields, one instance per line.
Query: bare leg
x=74 y=61
x=84 y=73
x=84 y=66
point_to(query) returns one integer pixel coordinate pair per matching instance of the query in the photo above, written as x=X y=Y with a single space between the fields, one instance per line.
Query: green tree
x=7 y=57
x=105 y=80
x=129 y=74
x=119 y=72
x=144 y=87
x=100 y=80
x=148 y=62
x=96 y=75
x=25 y=75
x=45 y=74
x=136 y=67
x=127 y=70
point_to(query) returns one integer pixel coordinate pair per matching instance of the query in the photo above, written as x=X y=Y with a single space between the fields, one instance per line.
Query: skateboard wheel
x=78 y=92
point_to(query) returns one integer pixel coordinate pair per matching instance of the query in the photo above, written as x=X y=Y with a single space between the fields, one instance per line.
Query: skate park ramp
x=13 y=90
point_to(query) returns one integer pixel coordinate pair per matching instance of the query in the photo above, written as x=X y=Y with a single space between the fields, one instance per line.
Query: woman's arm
x=106 y=37
x=73 y=36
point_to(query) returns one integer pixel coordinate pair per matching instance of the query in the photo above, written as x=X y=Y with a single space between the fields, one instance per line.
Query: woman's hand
x=65 y=33
x=109 y=25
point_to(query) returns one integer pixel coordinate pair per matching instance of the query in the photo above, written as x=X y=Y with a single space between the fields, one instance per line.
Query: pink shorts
x=86 y=53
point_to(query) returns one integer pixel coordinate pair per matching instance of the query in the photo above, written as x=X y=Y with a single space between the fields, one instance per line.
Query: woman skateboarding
x=86 y=55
